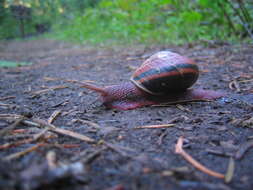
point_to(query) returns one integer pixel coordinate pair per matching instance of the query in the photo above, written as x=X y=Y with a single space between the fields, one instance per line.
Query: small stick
x=181 y=102
x=40 y=134
x=10 y=116
x=48 y=89
x=53 y=116
x=73 y=134
x=92 y=124
x=17 y=143
x=155 y=126
x=161 y=137
x=182 y=108
x=70 y=145
x=18 y=131
x=8 y=105
x=6 y=130
x=41 y=123
x=243 y=81
x=92 y=156
x=66 y=80
x=22 y=153
x=116 y=149
x=243 y=149
x=179 y=150
x=7 y=97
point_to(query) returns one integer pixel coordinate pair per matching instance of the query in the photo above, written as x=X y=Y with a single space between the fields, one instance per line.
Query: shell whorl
x=165 y=72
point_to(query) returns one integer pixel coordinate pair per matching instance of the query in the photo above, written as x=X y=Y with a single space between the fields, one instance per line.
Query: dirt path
x=122 y=157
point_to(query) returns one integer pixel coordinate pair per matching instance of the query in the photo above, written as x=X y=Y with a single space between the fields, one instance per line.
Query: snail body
x=163 y=78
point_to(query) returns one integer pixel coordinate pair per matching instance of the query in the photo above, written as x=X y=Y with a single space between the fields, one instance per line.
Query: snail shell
x=165 y=72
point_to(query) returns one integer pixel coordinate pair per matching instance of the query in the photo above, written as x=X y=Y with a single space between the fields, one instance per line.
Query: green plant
x=160 y=21
x=12 y=63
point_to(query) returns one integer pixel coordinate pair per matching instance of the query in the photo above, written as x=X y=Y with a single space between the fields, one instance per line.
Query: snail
x=165 y=77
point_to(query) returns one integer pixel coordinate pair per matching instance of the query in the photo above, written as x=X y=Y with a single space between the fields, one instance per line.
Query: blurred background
x=121 y=21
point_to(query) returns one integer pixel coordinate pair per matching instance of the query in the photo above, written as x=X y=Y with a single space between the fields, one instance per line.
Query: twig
x=243 y=81
x=17 y=136
x=8 y=105
x=7 y=97
x=53 y=116
x=40 y=134
x=22 y=153
x=73 y=134
x=161 y=137
x=10 y=117
x=182 y=108
x=243 y=149
x=28 y=140
x=88 y=159
x=42 y=123
x=48 y=89
x=67 y=80
x=116 y=149
x=155 y=126
x=179 y=150
x=18 y=131
x=70 y=145
x=92 y=124
x=17 y=143
x=219 y=153
x=181 y=102
x=6 y=130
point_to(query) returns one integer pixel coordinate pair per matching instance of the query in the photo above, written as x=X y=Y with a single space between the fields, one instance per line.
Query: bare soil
x=122 y=157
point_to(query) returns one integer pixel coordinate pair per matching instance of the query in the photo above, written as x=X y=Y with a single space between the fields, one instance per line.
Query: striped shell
x=165 y=72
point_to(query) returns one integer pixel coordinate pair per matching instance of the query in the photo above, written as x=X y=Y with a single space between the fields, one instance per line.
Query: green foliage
x=140 y=21
x=12 y=64
x=44 y=13
x=164 y=21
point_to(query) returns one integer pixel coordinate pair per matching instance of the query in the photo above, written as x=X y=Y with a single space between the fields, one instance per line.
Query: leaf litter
x=57 y=135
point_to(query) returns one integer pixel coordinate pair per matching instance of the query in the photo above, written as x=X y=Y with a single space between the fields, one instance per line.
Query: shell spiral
x=165 y=72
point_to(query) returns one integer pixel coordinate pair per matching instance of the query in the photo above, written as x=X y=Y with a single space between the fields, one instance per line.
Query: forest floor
x=40 y=110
